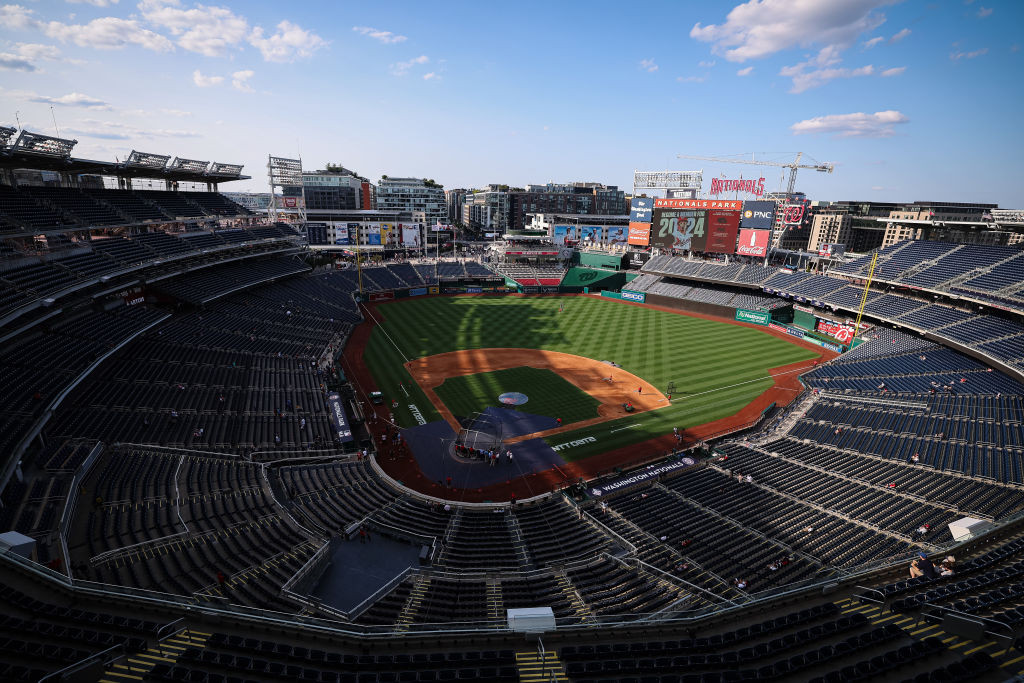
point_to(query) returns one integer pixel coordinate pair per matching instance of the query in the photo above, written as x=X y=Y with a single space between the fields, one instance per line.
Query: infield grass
x=548 y=394
x=717 y=368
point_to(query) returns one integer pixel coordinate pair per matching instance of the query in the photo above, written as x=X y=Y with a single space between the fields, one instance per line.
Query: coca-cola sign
x=720 y=185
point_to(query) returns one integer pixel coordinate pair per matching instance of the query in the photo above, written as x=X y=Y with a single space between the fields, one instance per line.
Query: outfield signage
x=338 y=417
x=417 y=291
x=382 y=296
x=474 y=290
x=792 y=331
x=744 y=315
x=639 y=297
x=758 y=215
x=753 y=242
x=723 y=204
x=652 y=472
x=843 y=333
x=640 y=209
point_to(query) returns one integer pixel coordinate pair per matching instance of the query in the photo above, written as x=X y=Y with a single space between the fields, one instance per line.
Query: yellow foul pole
x=864 y=296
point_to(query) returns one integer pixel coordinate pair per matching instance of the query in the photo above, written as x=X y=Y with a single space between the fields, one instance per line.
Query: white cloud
x=691 y=79
x=984 y=12
x=289 y=43
x=95 y=3
x=116 y=130
x=16 y=17
x=108 y=33
x=706 y=65
x=877 y=188
x=431 y=76
x=176 y=112
x=895 y=71
x=209 y=31
x=402 y=68
x=36 y=51
x=900 y=35
x=868 y=44
x=14 y=62
x=206 y=81
x=959 y=54
x=240 y=80
x=821 y=69
x=386 y=37
x=859 y=125
x=74 y=99
x=648 y=65
x=759 y=28
x=745 y=71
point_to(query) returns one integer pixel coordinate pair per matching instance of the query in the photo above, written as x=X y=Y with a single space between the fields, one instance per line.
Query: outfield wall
x=726 y=312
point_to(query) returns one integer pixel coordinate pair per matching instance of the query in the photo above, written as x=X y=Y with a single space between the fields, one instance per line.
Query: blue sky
x=912 y=100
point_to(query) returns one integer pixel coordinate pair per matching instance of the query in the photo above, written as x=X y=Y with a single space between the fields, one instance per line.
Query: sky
x=910 y=100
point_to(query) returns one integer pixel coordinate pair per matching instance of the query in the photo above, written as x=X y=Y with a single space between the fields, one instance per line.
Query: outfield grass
x=717 y=368
x=548 y=394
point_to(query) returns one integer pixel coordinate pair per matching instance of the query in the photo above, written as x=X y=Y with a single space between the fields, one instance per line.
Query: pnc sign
x=720 y=185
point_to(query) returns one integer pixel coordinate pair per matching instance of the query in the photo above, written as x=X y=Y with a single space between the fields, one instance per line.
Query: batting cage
x=480 y=432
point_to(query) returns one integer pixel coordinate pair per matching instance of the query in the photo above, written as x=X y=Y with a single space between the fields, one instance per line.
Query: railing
x=104 y=656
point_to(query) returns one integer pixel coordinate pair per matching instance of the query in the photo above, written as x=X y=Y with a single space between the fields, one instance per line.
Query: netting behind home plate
x=480 y=431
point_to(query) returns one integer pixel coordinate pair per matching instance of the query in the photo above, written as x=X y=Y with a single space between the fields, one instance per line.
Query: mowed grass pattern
x=717 y=368
x=548 y=394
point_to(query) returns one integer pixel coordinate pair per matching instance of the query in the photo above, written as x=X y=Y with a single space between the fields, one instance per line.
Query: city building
x=487 y=210
x=508 y=209
x=943 y=221
x=334 y=188
x=413 y=194
x=455 y=199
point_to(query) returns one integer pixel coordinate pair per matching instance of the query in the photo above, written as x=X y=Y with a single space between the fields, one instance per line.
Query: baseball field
x=712 y=368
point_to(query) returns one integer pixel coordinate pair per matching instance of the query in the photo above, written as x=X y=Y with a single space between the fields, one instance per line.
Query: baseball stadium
x=239 y=449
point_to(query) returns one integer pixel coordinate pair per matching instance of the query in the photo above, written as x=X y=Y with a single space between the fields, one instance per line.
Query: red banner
x=723 y=204
x=843 y=333
x=722 y=229
x=753 y=242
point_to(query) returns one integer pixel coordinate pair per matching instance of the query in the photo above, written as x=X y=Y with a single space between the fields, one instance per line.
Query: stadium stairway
x=540 y=667
x=135 y=667
x=412 y=604
x=1001 y=653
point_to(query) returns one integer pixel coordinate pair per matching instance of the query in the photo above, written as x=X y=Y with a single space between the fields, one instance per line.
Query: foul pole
x=864 y=297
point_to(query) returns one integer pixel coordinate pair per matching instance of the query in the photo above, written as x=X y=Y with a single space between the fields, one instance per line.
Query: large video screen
x=723 y=227
x=679 y=229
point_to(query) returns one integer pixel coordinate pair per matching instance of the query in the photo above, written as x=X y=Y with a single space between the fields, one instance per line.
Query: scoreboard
x=679 y=229
x=723 y=228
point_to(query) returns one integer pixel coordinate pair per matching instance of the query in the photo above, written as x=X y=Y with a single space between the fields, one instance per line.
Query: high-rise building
x=508 y=209
x=456 y=199
x=487 y=210
x=413 y=194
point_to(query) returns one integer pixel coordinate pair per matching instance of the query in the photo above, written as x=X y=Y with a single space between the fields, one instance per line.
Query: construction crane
x=790 y=186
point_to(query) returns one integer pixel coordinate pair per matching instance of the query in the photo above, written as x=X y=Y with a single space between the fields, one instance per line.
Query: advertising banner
x=389 y=235
x=638 y=297
x=680 y=230
x=723 y=204
x=758 y=215
x=639 y=234
x=649 y=474
x=382 y=296
x=417 y=291
x=434 y=289
x=338 y=417
x=640 y=209
x=723 y=227
x=840 y=331
x=590 y=232
x=288 y=202
x=831 y=250
x=617 y=235
x=753 y=242
x=744 y=315
x=410 y=236
x=564 y=234
x=372 y=233
x=638 y=258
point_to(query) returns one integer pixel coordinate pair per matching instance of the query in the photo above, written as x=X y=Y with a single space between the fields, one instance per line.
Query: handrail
x=930 y=610
x=868 y=589
x=82 y=663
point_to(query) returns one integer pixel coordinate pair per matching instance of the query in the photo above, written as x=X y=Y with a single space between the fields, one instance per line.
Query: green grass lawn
x=717 y=368
x=549 y=394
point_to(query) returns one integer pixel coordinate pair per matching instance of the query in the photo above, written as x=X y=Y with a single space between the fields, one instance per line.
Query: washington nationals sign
x=720 y=185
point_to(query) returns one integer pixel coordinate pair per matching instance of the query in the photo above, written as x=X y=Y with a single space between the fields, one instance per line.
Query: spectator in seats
x=915 y=458
x=302 y=423
x=945 y=569
x=174 y=417
x=740 y=583
x=362 y=535
x=891 y=485
x=220 y=579
x=686 y=543
x=277 y=439
x=926 y=566
x=808 y=529
x=749 y=479
x=915 y=569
